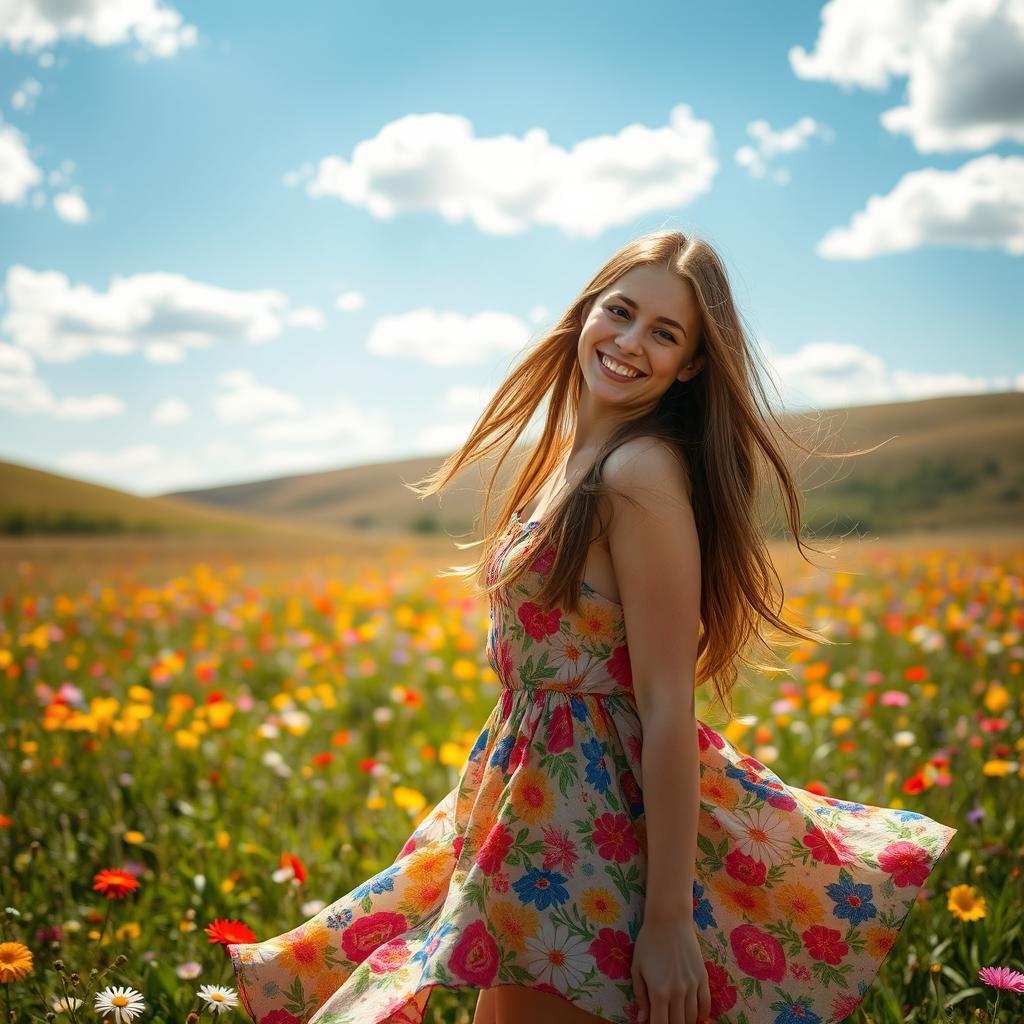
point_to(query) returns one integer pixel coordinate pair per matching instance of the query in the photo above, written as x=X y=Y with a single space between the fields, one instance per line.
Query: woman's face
x=648 y=320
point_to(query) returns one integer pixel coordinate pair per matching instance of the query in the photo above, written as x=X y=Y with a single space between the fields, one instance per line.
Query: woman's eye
x=619 y=309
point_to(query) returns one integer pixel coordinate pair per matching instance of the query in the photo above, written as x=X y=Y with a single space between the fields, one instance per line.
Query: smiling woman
x=605 y=855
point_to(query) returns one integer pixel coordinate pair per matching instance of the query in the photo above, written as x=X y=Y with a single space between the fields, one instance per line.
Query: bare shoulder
x=649 y=471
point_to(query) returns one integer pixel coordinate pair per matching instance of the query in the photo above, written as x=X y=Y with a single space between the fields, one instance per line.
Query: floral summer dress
x=531 y=871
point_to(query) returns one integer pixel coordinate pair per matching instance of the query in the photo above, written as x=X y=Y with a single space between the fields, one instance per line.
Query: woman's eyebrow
x=660 y=319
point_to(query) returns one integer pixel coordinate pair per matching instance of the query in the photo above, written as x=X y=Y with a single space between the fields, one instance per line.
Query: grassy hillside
x=954 y=461
x=944 y=463
x=33 y=501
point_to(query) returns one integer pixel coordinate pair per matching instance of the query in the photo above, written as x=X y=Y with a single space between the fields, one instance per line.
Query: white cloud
x=980 y=205
x=825 y=375
x=24 y=97
x=139 y=468
x=170 y=411
x=18 y=171
x=343 y=434
x=350 y=301
x=161 y=314
x=34 y=24
x=306 y=316
x=770 y=143
x=243 y=400
x=24 y=393
x=466 y=403
x=505 y=184
x=446 y=339
x=71 y=207
x=963 y=61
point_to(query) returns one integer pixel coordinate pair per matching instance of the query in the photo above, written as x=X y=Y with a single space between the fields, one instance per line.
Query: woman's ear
x=692 y=368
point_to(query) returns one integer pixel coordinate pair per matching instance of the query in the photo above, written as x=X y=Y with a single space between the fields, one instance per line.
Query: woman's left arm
x=656 y=555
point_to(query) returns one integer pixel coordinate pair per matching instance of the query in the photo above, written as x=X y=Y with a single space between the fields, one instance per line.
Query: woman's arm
x=656 y=555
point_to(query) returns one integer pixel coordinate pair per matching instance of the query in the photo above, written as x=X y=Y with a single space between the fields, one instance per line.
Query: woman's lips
x=614 y=376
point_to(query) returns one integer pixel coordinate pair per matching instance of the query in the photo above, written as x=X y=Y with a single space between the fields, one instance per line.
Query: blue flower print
x=481 y=742
x=502 y=752
x=380 y=883
x=703 y=915
x=795 y=1011
x=597 y=773
x=339 y=918
x=542 y=888
x=852 y=899
x=579 y=708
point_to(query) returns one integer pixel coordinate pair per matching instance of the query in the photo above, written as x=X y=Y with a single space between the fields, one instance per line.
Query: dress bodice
x=528 y=648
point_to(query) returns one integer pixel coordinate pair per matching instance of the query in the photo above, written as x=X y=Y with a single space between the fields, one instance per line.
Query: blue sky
x=240 y=240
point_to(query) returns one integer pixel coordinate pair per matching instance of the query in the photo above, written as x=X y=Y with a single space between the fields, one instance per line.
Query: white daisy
x=121 y=1001
x=65 y=1004
x=219 y=998
x=557 y=957
x=762 y=834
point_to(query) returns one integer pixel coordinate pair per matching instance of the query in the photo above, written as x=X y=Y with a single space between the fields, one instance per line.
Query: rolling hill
x=944 y=462
x=951 y=461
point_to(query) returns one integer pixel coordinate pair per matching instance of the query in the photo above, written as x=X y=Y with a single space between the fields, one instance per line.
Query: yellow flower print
x=799 y=902
x=532 y=798
x=600 y=905
x=515 y=923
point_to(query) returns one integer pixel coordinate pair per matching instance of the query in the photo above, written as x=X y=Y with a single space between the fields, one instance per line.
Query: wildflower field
x=198 y=751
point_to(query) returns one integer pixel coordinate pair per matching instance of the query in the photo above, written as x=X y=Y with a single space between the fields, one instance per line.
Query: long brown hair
x=718 y=424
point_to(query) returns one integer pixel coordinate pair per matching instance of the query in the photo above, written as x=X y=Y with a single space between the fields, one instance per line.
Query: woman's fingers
x=642 y=1000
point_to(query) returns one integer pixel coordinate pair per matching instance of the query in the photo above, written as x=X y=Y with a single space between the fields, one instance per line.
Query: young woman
x=606 y=856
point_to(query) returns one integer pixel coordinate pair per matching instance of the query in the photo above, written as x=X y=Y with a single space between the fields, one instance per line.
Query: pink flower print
x=560 y=730
x=613 y=952
x=457 y=843
x=538 y=624
x=828 y=846
x=723 y=994
x=708 y=737
x=362 y=937
x=500 y=881
x=907 y=862
x=758 y=954
x=494 y=849
x=543 y=562
x=560 y=852
x=520 y=752
x=825 y=944
x=614 y=837
x=475 y=956
x=744 y=868
x=844 y=1004
x=388 y=957
x=619 y=667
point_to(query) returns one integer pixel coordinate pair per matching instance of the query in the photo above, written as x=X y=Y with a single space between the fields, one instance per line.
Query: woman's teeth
x=620 y=371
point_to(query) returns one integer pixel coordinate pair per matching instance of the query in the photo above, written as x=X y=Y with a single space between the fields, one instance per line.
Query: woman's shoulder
x=647 y=463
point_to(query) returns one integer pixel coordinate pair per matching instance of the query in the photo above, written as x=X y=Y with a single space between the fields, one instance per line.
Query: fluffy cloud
x=769 y=143
x=242 y=400
x=350 y=301
x=71 y=207
x=963 y=61
x=170 y=411
x=980 y=205
x=24 y=97
x=18 y=171
x=139 y=468
x=505 y=184
x=464 y=402
x=161 y=314
x=446 y=339
x=826 y=375
x=24 y=393
x=34 y=24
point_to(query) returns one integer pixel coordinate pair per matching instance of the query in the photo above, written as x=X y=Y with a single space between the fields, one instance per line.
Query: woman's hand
x=669 y=976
